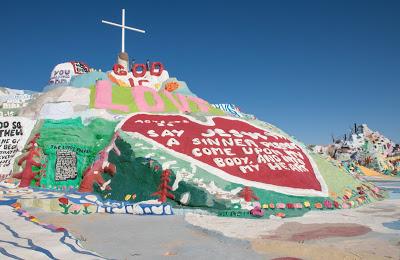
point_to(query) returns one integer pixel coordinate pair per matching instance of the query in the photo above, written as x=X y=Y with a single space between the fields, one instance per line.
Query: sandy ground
x=368 y=232
x=342 y=234
x=148 y=237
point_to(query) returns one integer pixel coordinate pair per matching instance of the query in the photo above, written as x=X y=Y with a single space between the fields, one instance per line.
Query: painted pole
x=123 y=31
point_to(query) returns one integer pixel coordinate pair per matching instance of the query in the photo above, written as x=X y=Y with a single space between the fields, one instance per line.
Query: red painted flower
x=328 y=204
x=337 y=205
x=63 y=200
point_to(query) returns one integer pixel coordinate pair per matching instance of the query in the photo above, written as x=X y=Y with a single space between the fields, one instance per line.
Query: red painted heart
x=234 y=150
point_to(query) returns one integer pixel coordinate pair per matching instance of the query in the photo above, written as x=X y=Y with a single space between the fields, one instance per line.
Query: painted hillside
x=141 y=142
x=369 y=152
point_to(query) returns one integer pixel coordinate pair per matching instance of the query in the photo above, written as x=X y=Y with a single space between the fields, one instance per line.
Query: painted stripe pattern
x=229 y=108
x=24 y=239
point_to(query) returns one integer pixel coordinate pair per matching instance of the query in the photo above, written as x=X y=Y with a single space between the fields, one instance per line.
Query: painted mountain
x=371 y=152
x=143 y=135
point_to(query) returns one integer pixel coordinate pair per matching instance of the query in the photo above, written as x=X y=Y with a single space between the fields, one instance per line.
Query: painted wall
x=14 y=133
x=234 y=150
x=143 y=99
x=62 y=73
x=69 y=148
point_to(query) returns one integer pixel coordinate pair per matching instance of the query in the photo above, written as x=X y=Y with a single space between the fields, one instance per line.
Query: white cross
x=123 y=26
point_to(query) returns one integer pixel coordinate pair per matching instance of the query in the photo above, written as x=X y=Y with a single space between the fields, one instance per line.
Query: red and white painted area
x=232 y=149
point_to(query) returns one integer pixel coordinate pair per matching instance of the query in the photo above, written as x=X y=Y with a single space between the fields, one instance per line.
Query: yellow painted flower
x=35 y=220
x=128 y=196
x=265 y=206
x=307 y=204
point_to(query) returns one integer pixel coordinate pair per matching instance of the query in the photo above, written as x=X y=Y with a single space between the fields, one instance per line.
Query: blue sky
x=312 y=68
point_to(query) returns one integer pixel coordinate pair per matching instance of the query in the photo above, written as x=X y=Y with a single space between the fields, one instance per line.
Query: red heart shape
x=234 y=150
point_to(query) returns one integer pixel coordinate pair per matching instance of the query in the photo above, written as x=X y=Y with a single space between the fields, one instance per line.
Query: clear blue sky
x=310 y=67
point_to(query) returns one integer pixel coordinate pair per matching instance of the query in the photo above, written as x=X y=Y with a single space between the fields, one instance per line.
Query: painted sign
x=66 y=163
x=233 y=150
x=62 y=73
x=14 y=133
x=139 y=75
x=12 y=100
x=66 y=168
x=144 y=99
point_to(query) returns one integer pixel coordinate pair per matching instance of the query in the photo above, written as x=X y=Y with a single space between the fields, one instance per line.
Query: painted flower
x=128 y=197
x=336 y=204
x=280 y=214
x=265 y=206
x=298 y=206
x=290 y=205
x=75 y=207
x=86 y=205
x=85 y=208
x=63 y=200
x=280 y=205
x=328 y=204
x=307 y=204
x=271 y=205
x=318 y=205
x=171 y=86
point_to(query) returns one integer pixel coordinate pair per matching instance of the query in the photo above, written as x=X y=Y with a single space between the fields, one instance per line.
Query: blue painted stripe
x=4 y=252
x=8 y=202
x=67 y=235
x=30 y=242
x=230 y=108
x=30 y=248
x=62 y=239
